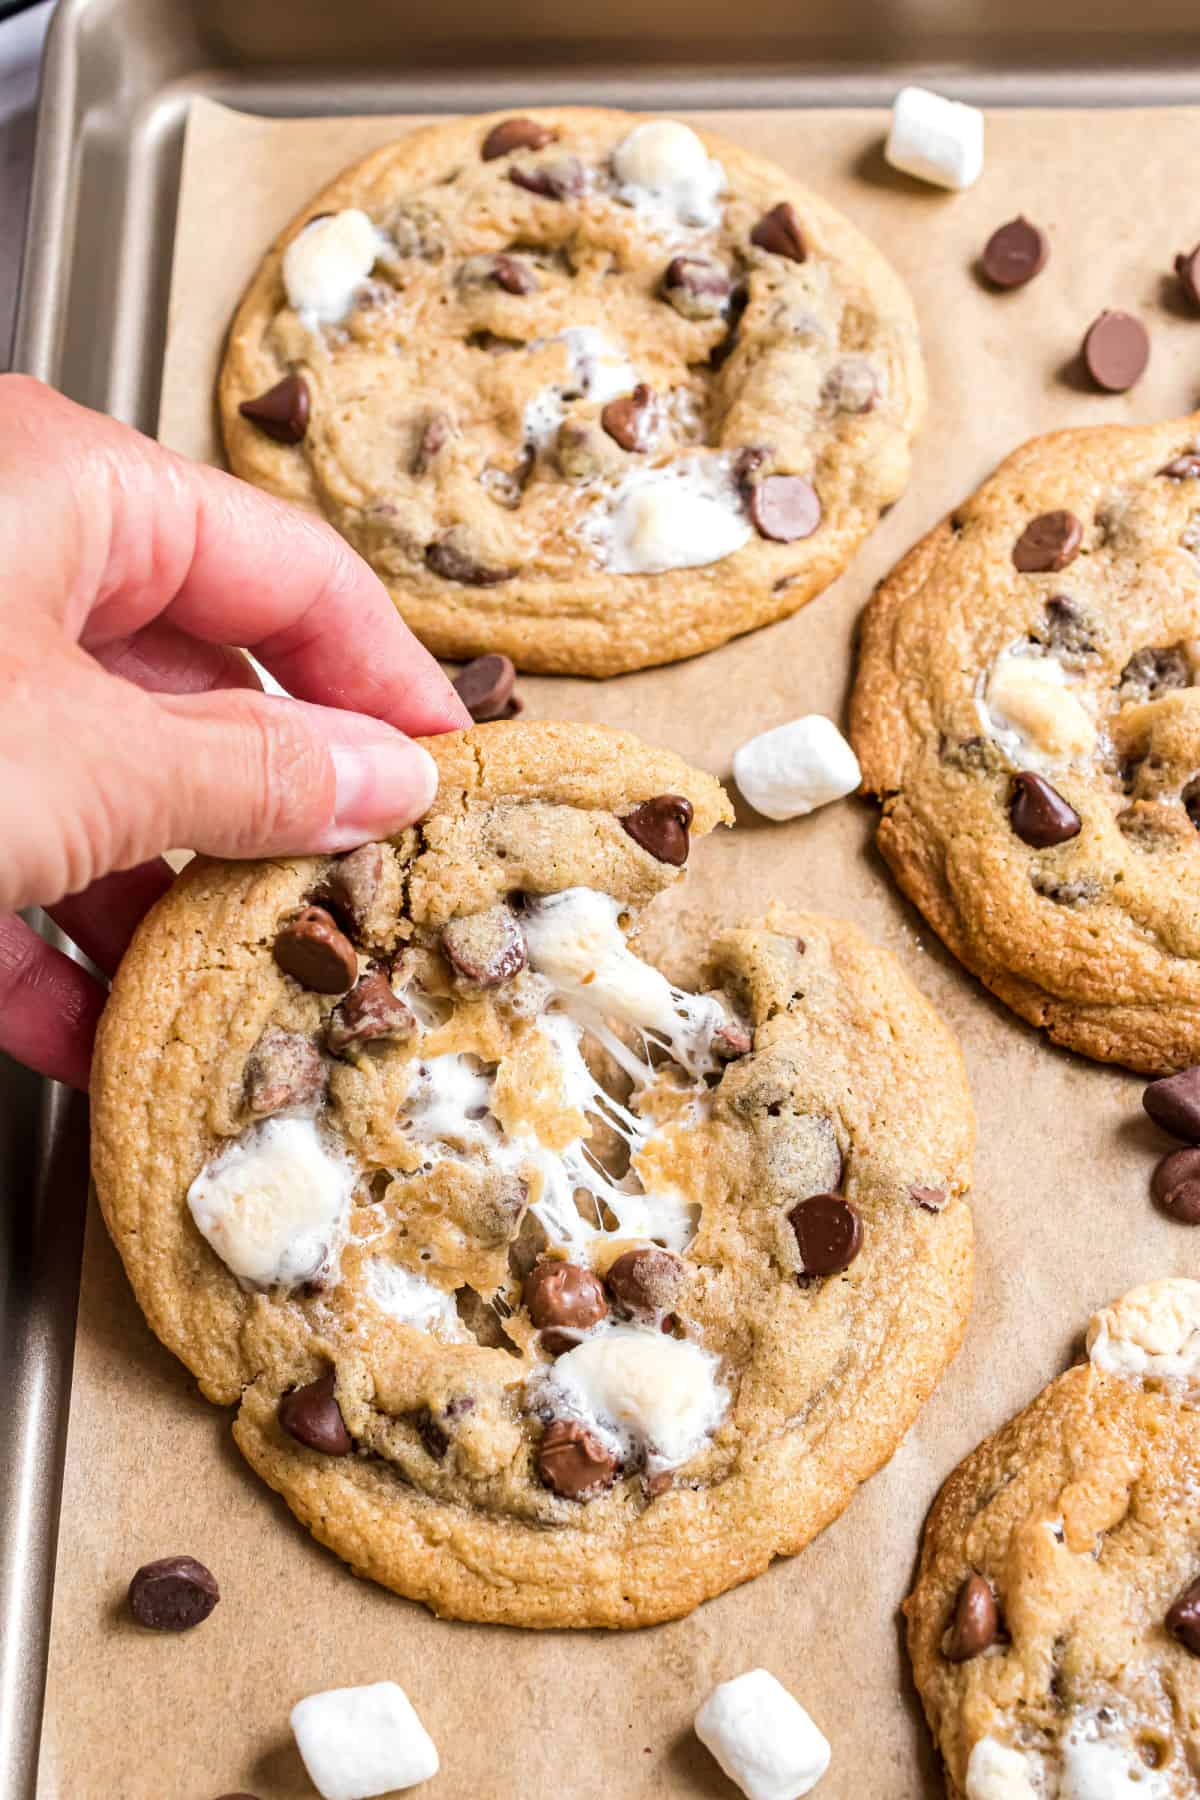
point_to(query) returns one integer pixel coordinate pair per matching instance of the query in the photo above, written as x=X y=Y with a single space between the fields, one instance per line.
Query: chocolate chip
x=660 y=826
x=435 y=435
x=1190 y=795
x=778 y=231
x=1174 y=1104
x=431 y=1435
x=1182 y=468
x=559 y=179
x=1067 y=630
x=1039 y=814
x=976 y=1621
x=1116 y=349
x=350 y=887
x=1048 y=543
x=507 y=272
x=515 y=134
x=721 y=352
x=284 y=1072
x=173 y=1594
x=629 y=420
x=784 y=508
x=645 y=1284
x=851 y=386
x=697 y=287
x=732 y=1038
x=451 y=557
x=1151 y=672
x=572 y=1462
x=485 y=947
x=1183 y=1619
x=1015 y=253
x=312 y=950
x=313 y=1417
x=929 y=1199
x=506 y=486
x=1175 y=1185
x=1187 y=267
x=237 y=1797
x=282 y=412
x=371 y=1011
x=485 y=688
x=563 y=1293
x=828 y=1233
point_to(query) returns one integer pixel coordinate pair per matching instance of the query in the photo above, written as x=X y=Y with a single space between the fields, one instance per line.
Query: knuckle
x=288 y=776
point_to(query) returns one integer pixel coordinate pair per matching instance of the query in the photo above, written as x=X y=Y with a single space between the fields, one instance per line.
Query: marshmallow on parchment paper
x=796 y=767
x=762 y=1737
x=358 y=1742
x=935 y=139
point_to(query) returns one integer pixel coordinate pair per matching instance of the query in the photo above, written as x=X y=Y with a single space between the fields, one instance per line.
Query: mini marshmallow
x=677 y=517
x=793 y=769
x=273 y=1203
x=663 y=165
x=326 y=262
x=650 y=1392
x=935 y=139
x=762 y=1737
x=362 y=1741
x=1028 y=707
x=1152 y=1333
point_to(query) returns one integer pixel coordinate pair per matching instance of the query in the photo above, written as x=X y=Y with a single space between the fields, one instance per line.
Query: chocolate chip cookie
x=587 y=391
x=1054 y=1627
x=1027 y=712
x=551 y=1288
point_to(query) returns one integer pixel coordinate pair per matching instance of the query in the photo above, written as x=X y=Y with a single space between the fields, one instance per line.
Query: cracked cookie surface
x=550 y=1288
x=594 y=392
x=1054 y=1627
x=1027 y=710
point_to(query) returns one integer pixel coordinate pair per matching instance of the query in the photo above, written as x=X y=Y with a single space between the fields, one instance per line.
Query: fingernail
x=379 y=788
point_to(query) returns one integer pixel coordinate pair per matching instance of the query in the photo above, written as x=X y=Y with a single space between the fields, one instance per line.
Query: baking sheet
x=1061 y=1205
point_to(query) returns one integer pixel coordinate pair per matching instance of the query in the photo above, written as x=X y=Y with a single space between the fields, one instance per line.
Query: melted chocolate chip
x=1116 y=349
x=563 y=1293
x=828 y=1233
x=282 y=412
x=929 y=1199
x=312 y=950
x=431 y=1435
x=485 y=947
x=371 y=1011
x=1183 y=1619
x=660 y=827
x=1067 y=629
x=572 y=1462
x=976 y=1621
x=350 y=887
x=779 y=232
x=515 y=134
x=851 y=386
x=451 y=557
x=313 y=1417
x=284 y=1072
x=435 y=435
x=1174 y=1104
x=1048 y=543
x=173 y=1594
x=629 y=419
x=1015 y=253
x=1187 y=267
x=697 y=287
x=1151 y=672
x=645 y=1284
x=1182 y=468
x=1039 y=814
x=514 y=276
x=485 y=687
x=1175 y=1185
x=559 y=179
x=784 y=508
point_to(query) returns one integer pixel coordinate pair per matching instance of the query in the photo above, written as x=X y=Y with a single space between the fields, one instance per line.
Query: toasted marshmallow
x=325 y=264
x=662 y=166
x=648 y=1394
x=1030 y=710
x=273 y=1204
x=1152 y=1333
x=794 y=768
x=762 y=1737
x=936 y=140
x=359 y=1742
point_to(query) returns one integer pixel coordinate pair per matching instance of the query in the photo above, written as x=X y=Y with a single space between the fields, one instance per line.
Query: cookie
x=587 y=391
x=1027 y=712
x=567 y=1291
x=1054 y=1627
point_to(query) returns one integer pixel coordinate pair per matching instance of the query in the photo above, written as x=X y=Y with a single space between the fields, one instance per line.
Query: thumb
x=248 y=774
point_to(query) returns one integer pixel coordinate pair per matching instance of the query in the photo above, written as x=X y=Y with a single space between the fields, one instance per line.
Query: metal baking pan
x=118 y=78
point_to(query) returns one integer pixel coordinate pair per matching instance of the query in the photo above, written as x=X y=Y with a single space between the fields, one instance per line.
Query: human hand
x=127 y=725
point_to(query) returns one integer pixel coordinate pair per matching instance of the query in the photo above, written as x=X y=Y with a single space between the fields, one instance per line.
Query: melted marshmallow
x=403 y=1295
x=646 y=1394
x=273 y=1205
x=1103 y=1768
x=998 y=1772
x=449 y=1102
x=599 y=368
x=1151 y=1334
x=327 y=262
x=1029 y=709
x=663 y=168
x=683 y=515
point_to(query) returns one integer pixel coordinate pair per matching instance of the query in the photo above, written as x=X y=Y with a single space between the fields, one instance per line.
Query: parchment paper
x=1061 y=1205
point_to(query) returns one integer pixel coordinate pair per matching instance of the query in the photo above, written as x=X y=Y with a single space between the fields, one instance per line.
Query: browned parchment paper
x=1061 y=1206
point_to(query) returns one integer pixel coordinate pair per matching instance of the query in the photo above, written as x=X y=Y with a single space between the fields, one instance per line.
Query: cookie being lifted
x=1027 y=711
x=1054 y=1627
x=589 y=391
x=551 y=1289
